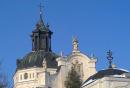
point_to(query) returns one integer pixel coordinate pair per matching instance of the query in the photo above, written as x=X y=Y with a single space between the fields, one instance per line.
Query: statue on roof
x=75 y=44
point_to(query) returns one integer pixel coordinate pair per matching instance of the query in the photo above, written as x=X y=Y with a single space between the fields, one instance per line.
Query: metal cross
x=41 y=6
x=110 y=58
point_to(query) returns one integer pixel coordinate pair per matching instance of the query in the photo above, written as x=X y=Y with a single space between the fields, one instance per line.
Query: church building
x=42 y=68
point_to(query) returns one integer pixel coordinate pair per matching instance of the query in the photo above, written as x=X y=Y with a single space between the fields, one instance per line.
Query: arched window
x=33 y=75
x=25 y=75
x=30 y=76
x=78 y=66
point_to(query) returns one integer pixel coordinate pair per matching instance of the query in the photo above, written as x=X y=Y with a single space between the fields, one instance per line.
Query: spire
x=75 y=45
x=40 y=24
x=41 y=36
x=110 y=58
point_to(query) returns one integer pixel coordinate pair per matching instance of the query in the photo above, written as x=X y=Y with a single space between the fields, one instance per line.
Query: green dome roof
x=35 y=59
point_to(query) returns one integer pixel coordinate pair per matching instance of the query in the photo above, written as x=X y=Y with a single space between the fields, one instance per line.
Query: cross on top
x=109 y=55
x=41 y=6
x=110 y=58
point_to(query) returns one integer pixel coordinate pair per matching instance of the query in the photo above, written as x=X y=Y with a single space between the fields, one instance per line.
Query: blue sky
x=100 y=25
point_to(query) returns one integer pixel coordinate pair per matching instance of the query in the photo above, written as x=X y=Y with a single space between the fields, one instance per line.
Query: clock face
x=25 y=75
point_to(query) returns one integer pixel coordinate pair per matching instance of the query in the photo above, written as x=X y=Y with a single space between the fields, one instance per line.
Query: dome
x=35 y=59
x=105 y=73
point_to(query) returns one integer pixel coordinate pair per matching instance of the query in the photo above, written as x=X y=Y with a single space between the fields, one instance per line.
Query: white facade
x=86 y=67
x=109 y=82
x=33 y=78
x=54 y=78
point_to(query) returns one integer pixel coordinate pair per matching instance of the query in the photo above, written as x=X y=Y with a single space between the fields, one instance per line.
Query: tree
x=73 y=79
x=3 y=80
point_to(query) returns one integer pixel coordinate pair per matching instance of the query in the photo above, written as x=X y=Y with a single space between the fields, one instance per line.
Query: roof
x=35 y=59
x=105 y=73
x=40 y=26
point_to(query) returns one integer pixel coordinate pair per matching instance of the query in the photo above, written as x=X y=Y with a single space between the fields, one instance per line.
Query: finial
x=75 y=44
x=110 y=58
x=93 y=56
x=61 y=54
